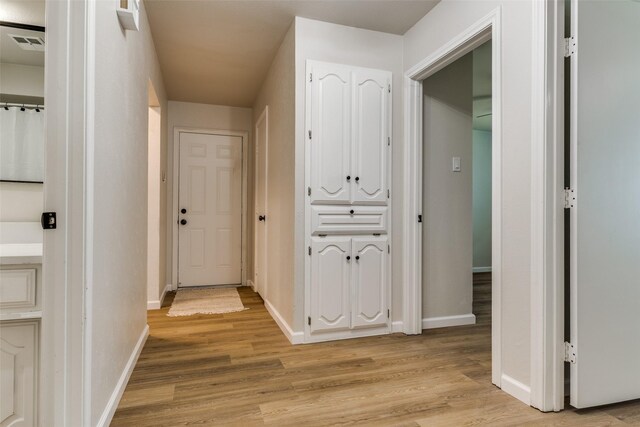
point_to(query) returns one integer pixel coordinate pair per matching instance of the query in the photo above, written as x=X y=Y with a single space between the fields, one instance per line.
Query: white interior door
x=262 y=147
x=369 y=281
x=330 y=283
x=210 y=204
x=330 y=134
x=605 y=224
x=370 y=135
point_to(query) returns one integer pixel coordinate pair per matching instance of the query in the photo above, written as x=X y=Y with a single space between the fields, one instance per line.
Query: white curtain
x=21 y=144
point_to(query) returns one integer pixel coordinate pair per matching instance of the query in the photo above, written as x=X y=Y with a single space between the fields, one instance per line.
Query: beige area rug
x=188 y=302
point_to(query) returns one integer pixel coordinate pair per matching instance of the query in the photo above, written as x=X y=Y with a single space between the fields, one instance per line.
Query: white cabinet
x=369 y=282
x=371 y=135
x=349 y=134
x=19 y=373
x=331 y=134
x=349 y=283
x=330 y=289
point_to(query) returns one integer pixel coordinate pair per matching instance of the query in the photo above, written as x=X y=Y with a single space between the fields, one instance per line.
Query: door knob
x=357 y=178
x=352 y=211
x=183 y=210
x=348 y=178
x=262 y=218
x=183 y=221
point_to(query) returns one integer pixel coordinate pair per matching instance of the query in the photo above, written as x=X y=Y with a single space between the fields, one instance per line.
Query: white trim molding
x=515 y=388
x=446 y=321
x=157 y=304
x=485 y=29
x=121 y=385
x=251 y=285
x=397 y=326
x=547 y=211
x=176 y=190
x=293 y=337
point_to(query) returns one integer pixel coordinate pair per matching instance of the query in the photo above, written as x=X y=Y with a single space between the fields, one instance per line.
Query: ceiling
x=219 y=51
x=11 y=53
x=29 y=12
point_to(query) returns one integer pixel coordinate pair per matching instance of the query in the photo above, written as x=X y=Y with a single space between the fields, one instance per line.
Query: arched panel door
x=369 y=281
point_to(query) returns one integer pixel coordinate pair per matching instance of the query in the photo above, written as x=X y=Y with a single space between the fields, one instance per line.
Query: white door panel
x=605 y=225
x=370 y=135
x=331 y=134
x=209 y=247
x=262 y=145
x=369 y=282
x=330 y=283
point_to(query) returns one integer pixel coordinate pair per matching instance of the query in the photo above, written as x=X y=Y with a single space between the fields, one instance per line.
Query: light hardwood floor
x=238 y=369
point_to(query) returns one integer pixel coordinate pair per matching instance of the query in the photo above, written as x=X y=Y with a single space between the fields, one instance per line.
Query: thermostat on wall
x=129 y=14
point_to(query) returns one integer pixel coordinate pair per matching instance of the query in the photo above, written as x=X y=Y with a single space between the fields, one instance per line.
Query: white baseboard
x=446 y=321
x=397 y=326
x=516 y=389
x=481 y=269
x=251 y=285
x=114 y=400
x=293 y=337
x=157 y=304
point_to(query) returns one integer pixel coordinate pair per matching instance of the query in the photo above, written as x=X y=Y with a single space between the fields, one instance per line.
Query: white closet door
x=331 y=133
x=369 y=282
x=605 y=224
x=330 y=287
x=370 y=135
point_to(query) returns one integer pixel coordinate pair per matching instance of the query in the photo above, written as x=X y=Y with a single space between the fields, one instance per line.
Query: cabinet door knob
x=357 y=178
x=348 y=178
x=348 y=258
x=357 y=257
x=352 y=211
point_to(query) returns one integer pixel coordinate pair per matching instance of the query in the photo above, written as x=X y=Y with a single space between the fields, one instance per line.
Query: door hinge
x=309 y=191
x=570 y=353
x=419 y=218
x=570 y=198
x=389 y=141
x=309 y=320
x=310 y=77
x=49 y=220
x=309 y=250
x=569 y=46
x=388 y=193
x=388 y=313
x=309 y=135
x=388 y=249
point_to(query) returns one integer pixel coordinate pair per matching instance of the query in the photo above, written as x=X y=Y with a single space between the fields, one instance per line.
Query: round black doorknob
x=261 y=218
x=183 y=221
x=357 y=257
x=357 y=178
x=348 y=177
x=348 y=257
x=183 y=210
x=352 y=211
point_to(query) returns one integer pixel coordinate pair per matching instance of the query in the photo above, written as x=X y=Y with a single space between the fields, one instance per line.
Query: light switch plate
x=455 y=164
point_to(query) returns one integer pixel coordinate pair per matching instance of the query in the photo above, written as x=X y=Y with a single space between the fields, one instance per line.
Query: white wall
x=26 y=80
x=197 y=116
x=278 y=92
x=116 y=269
x=445 y=21
x=352 y=46
x=481 y=199
x=447 y=286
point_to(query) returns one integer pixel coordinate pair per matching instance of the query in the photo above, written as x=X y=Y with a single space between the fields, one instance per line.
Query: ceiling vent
x=29 y=42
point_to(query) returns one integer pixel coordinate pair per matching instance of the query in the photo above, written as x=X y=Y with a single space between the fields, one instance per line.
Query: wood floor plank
x=239 y=369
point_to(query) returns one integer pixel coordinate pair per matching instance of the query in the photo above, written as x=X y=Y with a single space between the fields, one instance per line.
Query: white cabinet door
x=369 y=282
x=19 y=373
x=370 y=135
x=331 y=132
x=605 y=234
x=330 y=287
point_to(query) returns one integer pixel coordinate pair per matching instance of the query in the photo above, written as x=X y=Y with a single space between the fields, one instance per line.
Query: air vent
x=29 y=42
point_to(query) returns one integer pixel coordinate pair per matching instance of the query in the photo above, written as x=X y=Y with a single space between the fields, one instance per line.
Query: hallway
x=238 y=369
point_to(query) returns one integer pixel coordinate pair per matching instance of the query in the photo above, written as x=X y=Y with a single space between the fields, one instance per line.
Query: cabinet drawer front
x=340 y=220
x=18 y=288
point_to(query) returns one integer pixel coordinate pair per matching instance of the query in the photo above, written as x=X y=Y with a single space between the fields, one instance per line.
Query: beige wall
x=323 y=41
x=448 y=19
x=278 y=92
x=116 y=272
x=447 y=287
x=200 y=116
x=26 y=80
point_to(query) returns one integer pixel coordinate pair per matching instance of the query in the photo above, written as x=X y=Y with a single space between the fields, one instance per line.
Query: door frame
x=487 y=28
x=176 y=190
x=264 y=116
